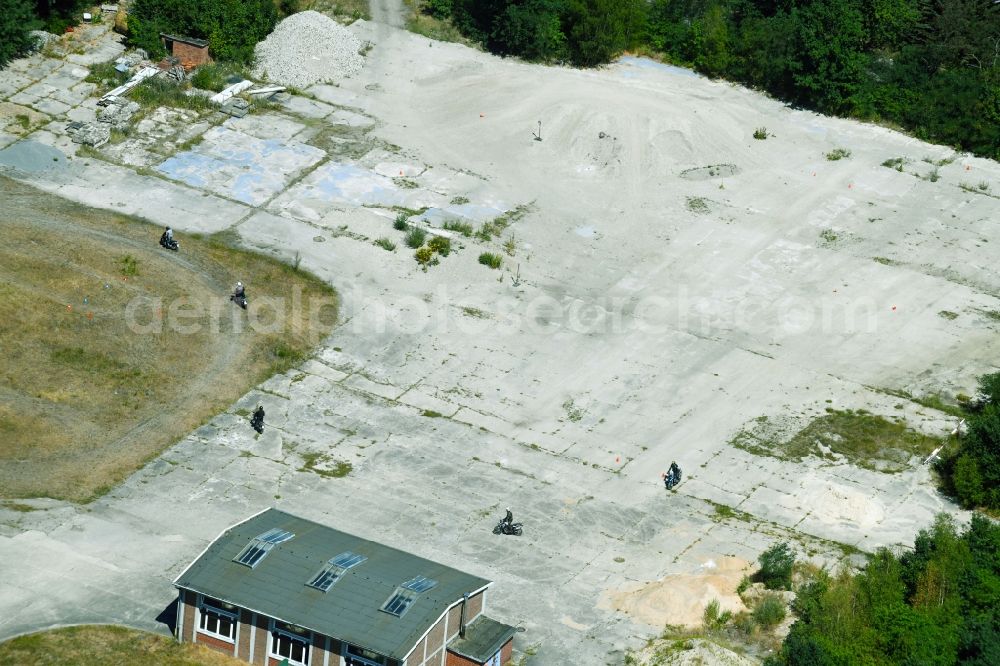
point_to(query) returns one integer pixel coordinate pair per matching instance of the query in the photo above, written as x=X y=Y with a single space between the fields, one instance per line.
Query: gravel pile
x=307 y=48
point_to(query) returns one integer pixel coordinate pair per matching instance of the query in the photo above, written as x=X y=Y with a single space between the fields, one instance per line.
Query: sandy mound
x=680 y=599
x=692 y=652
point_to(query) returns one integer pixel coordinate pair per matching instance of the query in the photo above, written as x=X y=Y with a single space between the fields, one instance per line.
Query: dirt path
x=388 y=12
x=59 y=464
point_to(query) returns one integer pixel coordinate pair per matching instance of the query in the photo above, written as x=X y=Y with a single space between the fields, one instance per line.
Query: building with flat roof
x=278 y=587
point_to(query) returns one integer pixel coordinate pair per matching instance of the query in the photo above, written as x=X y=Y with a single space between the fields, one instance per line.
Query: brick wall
x=186 y=53
x=435 y=638
x=243 y=645
x=190 y=619
x=474 y=607
x=262 y=644
x=507 y=651
x=458 y=660
x=216 y=644
x=454 y=620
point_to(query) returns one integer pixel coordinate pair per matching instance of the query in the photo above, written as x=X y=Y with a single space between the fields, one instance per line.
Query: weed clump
x=415 y=237
x=490 y=259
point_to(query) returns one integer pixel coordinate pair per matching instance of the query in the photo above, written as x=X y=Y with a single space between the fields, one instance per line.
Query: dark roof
x=483 y=638
x=185 y=40
x=277 y=585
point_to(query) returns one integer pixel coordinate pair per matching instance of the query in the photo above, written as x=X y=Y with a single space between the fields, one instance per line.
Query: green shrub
x=838 y=154
x=415 y=237
x=424 y=256
x=232 y=27
x=440 y=244
x=490 y=259
x=760 y=133
x=776 y=567
x=463 y=228
x=386 y=244
x=400 y=223
x=769 y=611
x=128 y=265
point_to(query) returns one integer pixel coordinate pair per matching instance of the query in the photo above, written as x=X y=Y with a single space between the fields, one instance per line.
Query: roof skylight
x=334 y=569
x=406 y=594
x=261 y=545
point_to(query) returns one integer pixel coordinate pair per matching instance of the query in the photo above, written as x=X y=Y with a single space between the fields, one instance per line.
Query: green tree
x=232 y=27
x=831 y=63
x=776 y=567
x=968 y=482
x=16 y=20
x=710 y=41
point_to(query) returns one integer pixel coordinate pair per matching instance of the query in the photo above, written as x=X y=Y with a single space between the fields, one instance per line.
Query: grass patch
x=440 y=245
x=347 y=11
x=312 y=462
x=490 y=259
x=217 y=76
x=948 y=314
x=431 y=414
x=829 y=236
x=573 y=413
x=19 y=507
x=159 y=91
x=405 y=183
x=100 y=645
x=105 y=77
x=463 y=228
x=432 y=27
x=993 y=315
x=476 y=313
x=496 y=226
x=838 y=154
x=415 y=237
x=697 y=204
x=386 y=244
x=401 y=223
x=857 y=437
x=760 y=133
x=895 y=163
x=459 y=201
x=884 y=261
x=85 y=400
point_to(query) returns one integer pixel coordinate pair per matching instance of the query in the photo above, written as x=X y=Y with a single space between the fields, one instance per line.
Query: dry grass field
x=99 y=645
x=113 y=348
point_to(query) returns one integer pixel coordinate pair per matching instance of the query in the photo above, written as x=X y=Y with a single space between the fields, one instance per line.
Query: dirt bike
x=169 y=243
x=672 y=479
x=239 y=299
x=503 y=527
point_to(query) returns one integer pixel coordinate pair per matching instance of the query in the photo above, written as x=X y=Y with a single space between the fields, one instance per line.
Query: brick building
x=278 y=587
x=189 y=51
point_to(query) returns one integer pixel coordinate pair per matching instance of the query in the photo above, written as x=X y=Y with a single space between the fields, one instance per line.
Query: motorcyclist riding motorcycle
x=239 y=296
x=167 y=240
x=672 y=477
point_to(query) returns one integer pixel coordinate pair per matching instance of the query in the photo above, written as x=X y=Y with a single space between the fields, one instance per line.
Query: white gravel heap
x=307 y=48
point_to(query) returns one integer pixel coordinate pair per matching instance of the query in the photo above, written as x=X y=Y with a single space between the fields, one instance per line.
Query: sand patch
x=680 y=599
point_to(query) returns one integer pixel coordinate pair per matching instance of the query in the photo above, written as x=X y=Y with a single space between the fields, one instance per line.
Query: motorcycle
x=257 y=423
x=239 y=299
x=503 y=527
x=169 y=243
x=672 y=479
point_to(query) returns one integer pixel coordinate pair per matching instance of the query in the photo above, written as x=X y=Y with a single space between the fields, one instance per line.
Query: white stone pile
x=307 y=48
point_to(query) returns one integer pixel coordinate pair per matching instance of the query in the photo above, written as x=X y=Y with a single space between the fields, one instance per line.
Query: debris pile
x=117 y=112
x=89 y=134
x=307 y=48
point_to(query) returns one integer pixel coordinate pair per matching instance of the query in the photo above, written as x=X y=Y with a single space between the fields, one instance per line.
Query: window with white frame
x=290 y=642
x=359 y=656
x=494 y=660
x=217 y=619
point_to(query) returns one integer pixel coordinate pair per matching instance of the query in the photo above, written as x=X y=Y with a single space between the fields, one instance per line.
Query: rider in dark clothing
x=257 y=421
x=509 y=518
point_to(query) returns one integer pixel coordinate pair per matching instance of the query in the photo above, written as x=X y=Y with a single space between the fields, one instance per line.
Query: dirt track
x=72 y=431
